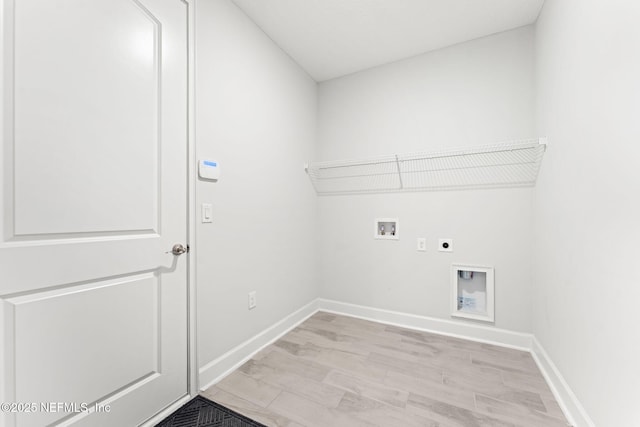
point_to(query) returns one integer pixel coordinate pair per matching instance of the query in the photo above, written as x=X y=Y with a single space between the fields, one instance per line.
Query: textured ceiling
x=331 y=38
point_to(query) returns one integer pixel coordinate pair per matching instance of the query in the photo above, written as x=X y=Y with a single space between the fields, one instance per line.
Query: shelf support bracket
x=399 y=174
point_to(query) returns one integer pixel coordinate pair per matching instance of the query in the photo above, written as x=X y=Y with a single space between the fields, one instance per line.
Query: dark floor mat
x=201 y=412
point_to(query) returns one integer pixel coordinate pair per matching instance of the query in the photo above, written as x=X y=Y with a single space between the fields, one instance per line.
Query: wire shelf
x=512 y=164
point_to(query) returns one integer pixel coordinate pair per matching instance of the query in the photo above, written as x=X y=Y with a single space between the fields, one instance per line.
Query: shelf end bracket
x=399 y=174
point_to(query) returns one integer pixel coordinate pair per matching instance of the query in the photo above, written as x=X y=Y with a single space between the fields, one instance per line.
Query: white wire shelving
x=510 y=164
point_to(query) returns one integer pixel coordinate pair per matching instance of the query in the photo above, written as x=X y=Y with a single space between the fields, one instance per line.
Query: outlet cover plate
x=252 y=300
x=421 y=244
x=445 y=245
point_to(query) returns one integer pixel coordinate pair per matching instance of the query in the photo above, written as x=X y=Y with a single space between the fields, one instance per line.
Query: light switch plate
x=421 y=244
x=207 y=212
x=252 y=300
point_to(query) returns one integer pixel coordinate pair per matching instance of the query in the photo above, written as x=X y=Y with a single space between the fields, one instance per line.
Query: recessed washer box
x=387 y=229
x=472 y=292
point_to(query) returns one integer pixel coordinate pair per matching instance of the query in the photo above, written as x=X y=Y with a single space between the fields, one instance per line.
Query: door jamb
x=192 y=362
x=193 y=371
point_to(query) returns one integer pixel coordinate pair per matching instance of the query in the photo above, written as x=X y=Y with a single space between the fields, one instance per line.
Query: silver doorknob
x=178 y=249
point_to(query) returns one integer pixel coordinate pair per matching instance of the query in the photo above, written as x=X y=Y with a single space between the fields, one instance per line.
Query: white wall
x=587 y=208
x=255 y=114
x=476 y=93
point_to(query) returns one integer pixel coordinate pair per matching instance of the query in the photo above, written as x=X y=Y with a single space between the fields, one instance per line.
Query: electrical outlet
x=252 y=300
x=422 y=244
x=445 y=245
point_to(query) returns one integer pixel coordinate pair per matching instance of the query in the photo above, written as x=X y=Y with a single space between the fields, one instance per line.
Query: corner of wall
x=222 y=366
x=569 y=403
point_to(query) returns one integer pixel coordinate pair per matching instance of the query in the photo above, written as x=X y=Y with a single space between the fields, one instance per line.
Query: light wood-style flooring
x=336 y=370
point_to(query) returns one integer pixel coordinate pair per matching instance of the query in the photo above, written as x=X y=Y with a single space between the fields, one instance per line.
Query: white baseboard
x=459 y=329
x=219 y=368
x=569 y=403
x=166 y=412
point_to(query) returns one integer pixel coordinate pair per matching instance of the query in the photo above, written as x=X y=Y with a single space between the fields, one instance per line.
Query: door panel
x=101 y=57
x=118 y=347
x=93 y=307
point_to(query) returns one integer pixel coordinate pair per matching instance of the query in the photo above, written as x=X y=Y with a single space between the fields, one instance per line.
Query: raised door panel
x=117 y=347
x=101 y=57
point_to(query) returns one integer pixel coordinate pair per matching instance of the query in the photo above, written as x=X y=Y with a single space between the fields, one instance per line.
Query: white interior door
x=93 y=310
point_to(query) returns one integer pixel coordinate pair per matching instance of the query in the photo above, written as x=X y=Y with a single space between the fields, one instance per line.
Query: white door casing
x=93 y=306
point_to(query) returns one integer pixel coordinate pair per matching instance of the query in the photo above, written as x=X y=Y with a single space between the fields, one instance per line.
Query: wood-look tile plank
x=294 y=336
x=262 y=353
x=311 y=414
x=407 y=367
x=324 y=316
x=303 y=336
x=248 y=409
x=524 y=365
x=467 y=378
x=320 y=392
x=346 y=361
x=517 y=414
x=356 y=333
x=424 y=337
x=296 y=349
x=432 y=389
x=358 y=366
x=523 y=398
x=370 y=389
x=493 y=387
x=354 y=323
x=248 y=388
x=451 y=414
x=454 y=368
x=486 y=348
x=298 y=365
x=405 y=350
x=380 y=414
x=529 y=382
x=436 y=354
x=210 y=392
x=552 y=407
x=327 y=333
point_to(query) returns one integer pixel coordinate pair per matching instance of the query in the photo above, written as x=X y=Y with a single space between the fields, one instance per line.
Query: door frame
x=192 y=362
x=193 y=369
